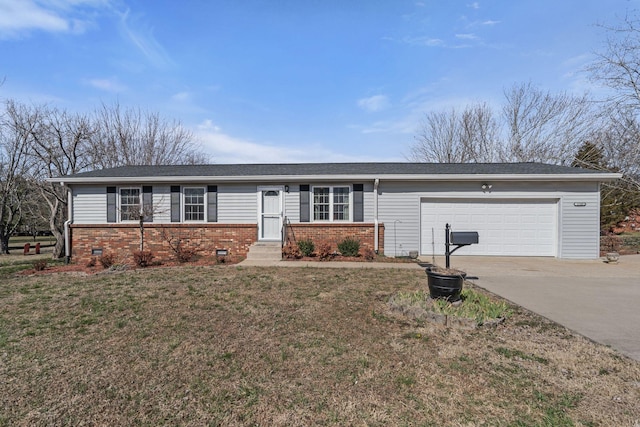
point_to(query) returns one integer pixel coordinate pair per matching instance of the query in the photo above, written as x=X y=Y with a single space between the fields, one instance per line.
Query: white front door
x=270 y=221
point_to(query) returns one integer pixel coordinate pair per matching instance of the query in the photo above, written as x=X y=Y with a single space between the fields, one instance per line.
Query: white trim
x=183 y=211
x=331 y=187
x=581 y=177
x=260 y=189
x=119 y=203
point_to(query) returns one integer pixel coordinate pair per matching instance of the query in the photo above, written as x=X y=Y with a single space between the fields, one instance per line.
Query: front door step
x=265 y=251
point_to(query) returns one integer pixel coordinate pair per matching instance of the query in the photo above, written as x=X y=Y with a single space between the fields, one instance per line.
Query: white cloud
x=181 y=96
x=490 y=22
x=466 y=36
x=227 y=149
x=144 y=40
x=474 y=5
x=374 y=103
x=423 y=41
x=19 y=17
x=107 y=84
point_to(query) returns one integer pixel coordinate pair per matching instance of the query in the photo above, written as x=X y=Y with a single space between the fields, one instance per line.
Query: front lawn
x=236 y=346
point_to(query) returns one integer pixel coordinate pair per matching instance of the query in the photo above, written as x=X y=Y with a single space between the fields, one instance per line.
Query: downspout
x=67 y=236
x=376 y=182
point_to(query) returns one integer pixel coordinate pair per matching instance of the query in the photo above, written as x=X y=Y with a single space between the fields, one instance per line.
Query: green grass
x=475 y=305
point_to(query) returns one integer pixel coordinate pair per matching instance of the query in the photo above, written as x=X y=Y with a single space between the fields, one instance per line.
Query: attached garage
x=507 y=227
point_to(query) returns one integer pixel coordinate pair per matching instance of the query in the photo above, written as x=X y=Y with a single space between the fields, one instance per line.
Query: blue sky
x=296 y=80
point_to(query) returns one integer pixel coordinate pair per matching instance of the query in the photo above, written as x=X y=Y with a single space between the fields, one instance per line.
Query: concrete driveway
x=598 y=300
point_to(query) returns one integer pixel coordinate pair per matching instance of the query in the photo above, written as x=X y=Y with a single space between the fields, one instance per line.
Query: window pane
x=341 y=203
x=129 y=204
x=193 y=204
x=321 y=204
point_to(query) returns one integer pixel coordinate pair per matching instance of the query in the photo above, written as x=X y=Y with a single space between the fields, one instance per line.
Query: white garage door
x=505 y=227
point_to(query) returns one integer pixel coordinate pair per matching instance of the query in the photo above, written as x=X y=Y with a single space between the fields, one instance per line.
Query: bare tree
x=452 y=136
x=60 y=144
x=14 y=168
x=618 y=64
x=133 y=137
x=545 y=127
x=534 y=126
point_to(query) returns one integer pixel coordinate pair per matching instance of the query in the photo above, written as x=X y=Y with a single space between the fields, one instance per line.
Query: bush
x=185 y=254
x=610 y=243
x=143 y=258
x=40 y=264
x=291 y=251
x=324 y=251
x=306 y=247
x=369 y=254
x=92 y=262
x=349 y=247
x=107 y=260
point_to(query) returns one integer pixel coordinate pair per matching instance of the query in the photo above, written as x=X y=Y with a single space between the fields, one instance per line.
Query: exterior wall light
x=486 y=186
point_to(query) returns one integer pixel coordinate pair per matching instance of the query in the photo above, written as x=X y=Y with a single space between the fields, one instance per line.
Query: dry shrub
x=610 y=243
x=369 y=254
x=107 y=260
x=40 y=264
x=185 y=254
x=143 y=258
x=324 y=251
x=291 y=251
x=92 y=262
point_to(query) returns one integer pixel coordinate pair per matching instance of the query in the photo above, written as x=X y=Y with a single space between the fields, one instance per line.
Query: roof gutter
x=589 y=177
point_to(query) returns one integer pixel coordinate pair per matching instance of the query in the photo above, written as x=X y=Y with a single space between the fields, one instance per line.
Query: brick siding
x=332 y=234
x=123 y=239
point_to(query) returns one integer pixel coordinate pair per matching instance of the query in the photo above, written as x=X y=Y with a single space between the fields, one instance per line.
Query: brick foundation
x=123 y=239
x=332 y=234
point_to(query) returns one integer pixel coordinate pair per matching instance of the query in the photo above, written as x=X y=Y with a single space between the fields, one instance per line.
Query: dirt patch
x=237 y=346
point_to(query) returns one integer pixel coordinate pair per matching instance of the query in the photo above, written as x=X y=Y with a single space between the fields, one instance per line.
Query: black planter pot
x=443 y=285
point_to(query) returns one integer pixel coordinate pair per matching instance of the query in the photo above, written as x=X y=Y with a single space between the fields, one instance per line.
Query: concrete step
x=265 y=251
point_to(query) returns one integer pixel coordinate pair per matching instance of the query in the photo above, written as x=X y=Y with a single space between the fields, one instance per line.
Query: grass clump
x=475 y=305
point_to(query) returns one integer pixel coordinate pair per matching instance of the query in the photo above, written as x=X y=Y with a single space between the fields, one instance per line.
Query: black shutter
x=175 y=203
x=111 y=204
x=358 y=202
x=304 y=203
x=147 y=203
x=212 y=203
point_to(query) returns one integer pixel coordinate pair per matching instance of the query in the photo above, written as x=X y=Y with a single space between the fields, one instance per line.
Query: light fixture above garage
x=486 y=186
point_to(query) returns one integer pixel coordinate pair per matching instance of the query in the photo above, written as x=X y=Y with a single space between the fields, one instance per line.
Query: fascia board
x=598 y=177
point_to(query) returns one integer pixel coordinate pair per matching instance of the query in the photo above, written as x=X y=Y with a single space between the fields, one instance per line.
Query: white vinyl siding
x=577 y=227
x=580 y=229
x=237 y=204
x=292 y=204
x=89 y=204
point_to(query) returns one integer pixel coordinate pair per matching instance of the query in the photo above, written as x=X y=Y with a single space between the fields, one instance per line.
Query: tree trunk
x=58 y=248
x=4 y=244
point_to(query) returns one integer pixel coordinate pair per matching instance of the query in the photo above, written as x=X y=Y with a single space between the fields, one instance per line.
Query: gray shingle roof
x=333 y=169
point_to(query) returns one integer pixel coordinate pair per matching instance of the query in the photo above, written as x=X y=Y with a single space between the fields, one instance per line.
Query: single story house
x=518 y=209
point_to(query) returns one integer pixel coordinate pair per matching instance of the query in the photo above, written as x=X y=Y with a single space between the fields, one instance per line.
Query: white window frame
x=183 y=202
x=331 y=203
x=120 y=205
